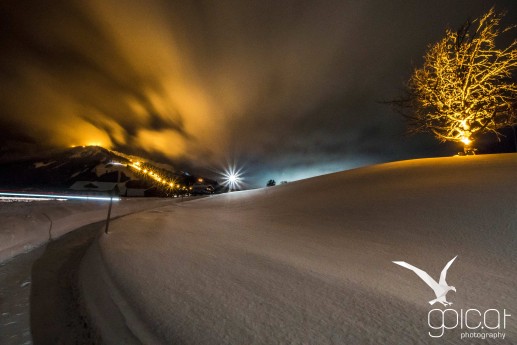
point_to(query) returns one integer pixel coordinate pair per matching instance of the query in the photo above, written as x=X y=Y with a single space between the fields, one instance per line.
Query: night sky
x=286 y=89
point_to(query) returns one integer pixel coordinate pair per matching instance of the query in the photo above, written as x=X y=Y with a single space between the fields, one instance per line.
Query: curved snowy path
x=28 y=280
x=56 y=316
x=38 y=293
x=311 y=262
x=15 y=286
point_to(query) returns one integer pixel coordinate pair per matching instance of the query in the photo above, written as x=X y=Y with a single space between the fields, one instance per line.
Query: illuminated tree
x=466 y=85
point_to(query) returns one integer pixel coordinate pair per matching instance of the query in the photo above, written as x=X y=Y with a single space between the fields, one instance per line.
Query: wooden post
x=109 y=213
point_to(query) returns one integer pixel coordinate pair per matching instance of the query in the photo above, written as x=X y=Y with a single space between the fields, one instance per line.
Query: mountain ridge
x=60 y=169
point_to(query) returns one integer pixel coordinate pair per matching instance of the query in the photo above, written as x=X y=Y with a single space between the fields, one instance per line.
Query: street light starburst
x=232 y=178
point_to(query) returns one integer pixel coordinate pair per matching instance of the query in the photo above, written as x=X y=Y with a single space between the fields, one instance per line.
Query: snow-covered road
x=26 y=225
x=15 y=287
x=310 y=262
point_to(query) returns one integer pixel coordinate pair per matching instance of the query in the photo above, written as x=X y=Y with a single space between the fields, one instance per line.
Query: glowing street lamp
x=232 y=178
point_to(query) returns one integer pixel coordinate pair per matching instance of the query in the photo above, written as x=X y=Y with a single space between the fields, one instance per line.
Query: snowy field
x=26 y=225
x=310 y=262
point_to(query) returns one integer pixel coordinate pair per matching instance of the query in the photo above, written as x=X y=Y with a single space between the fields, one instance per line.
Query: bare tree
x=466 y=85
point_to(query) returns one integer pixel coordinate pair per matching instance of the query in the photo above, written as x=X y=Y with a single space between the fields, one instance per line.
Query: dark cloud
x=287 y=88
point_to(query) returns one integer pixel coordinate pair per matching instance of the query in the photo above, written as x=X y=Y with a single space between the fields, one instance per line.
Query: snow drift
x=310 y=262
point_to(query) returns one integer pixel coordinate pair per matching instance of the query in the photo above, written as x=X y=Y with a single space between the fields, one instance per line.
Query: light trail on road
x=32 y=196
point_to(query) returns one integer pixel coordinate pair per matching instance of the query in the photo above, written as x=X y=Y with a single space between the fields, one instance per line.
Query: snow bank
x=26 y=225
x=310 y=262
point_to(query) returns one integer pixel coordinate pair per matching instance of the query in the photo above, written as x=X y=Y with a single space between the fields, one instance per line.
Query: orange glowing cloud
x=162 y=141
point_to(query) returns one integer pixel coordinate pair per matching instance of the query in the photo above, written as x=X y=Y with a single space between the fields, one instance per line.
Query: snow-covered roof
x=93 y=186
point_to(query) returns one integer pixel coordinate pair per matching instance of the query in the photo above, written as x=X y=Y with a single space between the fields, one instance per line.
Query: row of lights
x=232 y=177
x=148 y=172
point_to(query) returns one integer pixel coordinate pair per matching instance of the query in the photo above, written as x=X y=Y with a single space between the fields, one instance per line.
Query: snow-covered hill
x=59 y=169
x=56 y=168
x=310 y=262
